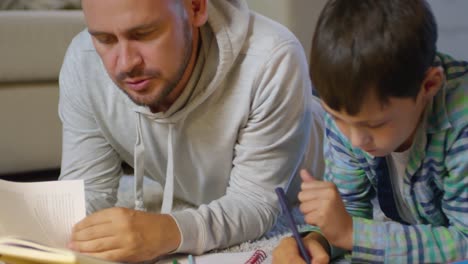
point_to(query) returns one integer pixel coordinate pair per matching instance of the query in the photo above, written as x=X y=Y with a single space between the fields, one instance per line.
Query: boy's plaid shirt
x=435 y=184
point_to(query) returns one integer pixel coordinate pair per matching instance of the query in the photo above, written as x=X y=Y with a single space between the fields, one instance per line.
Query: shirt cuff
x=192 y=231
x=368 y=241
x=335 y=252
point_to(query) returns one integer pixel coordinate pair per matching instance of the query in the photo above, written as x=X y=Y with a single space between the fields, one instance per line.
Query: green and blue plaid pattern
x=435 y=186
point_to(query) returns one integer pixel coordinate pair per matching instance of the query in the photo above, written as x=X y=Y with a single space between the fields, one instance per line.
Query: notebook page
x=217 y=258
x=41 y=211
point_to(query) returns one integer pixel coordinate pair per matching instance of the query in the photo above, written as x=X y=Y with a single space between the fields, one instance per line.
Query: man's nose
x=129 y=58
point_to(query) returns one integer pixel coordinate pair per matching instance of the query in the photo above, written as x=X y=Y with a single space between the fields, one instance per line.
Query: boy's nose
x=359 y=139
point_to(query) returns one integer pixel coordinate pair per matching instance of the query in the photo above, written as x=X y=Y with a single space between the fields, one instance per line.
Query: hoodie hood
x=221 y=44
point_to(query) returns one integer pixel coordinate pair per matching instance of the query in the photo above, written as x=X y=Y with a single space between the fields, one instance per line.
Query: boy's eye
x=376 y=125
x=338 y=121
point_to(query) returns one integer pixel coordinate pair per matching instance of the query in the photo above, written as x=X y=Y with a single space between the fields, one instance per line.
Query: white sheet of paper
x=216 y=258
x=41 y=211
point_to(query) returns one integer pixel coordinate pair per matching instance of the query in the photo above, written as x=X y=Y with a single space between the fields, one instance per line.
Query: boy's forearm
x=392 y=241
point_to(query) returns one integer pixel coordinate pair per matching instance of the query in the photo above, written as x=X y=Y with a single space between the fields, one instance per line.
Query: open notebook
x=250 y=257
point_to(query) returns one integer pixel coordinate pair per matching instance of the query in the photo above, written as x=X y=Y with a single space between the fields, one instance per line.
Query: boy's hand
x=322 y=206
x=121 y=234
x=288 y=252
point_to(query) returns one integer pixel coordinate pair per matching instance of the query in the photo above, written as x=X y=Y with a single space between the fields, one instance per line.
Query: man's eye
x=142 y=34
x=105 y=39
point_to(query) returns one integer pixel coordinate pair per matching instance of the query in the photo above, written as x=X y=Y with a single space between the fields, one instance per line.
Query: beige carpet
x=153 y=198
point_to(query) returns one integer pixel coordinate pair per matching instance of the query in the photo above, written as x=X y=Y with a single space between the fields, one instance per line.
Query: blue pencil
x=190 y=259
x=292 y=224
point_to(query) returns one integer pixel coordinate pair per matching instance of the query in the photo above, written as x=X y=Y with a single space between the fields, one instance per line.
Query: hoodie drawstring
x=139 y=167
x=169 y=186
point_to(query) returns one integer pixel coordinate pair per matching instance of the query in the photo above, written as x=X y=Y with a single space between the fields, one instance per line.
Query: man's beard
x=169 y=83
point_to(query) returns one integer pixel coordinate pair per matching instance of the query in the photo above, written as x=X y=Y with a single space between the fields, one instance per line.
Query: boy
x=396 y=139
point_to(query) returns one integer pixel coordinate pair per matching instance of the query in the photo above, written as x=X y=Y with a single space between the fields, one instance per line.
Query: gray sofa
x=32 y=47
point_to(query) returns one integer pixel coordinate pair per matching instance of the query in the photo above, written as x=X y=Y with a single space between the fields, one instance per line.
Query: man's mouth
x=137 y=84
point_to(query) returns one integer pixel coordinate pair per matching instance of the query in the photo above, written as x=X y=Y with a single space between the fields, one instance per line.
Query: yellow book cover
x=15 y=250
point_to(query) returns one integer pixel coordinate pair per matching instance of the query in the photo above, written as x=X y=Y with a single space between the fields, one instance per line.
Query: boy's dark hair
x=384 y=46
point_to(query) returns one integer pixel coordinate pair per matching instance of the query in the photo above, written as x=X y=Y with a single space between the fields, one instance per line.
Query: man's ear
x=432 y=82
x=199 y=12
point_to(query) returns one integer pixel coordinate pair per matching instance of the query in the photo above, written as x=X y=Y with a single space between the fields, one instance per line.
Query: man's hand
x=121 y=234
x=322 y=206
x=288 y=252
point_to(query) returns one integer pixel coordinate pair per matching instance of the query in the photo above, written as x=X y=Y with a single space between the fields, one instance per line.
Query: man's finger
x=102 y=217
x=112 y=255
x=92 y=232
x=95 y=246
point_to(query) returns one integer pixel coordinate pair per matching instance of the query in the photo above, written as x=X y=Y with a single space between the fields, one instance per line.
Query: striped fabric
x=435 y=185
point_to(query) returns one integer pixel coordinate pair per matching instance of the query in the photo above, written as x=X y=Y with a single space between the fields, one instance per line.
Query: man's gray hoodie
x=245 y=123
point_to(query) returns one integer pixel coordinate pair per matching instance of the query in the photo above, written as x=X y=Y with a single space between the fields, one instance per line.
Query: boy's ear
x=432 y=82
x=199 y=10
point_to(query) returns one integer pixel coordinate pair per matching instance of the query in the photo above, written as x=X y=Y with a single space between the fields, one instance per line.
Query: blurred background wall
x=300 y=17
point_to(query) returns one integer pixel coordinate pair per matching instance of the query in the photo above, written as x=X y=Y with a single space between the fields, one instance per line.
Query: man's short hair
x=383 y=45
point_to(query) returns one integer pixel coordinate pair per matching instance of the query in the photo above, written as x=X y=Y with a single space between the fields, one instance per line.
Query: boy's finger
x=306 y=177
x=318 y=248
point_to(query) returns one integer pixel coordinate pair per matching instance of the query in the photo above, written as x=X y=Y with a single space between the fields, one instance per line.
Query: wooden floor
x=43 y=175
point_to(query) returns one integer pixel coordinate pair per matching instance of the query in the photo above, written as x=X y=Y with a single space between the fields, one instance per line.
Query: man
x=397 y=139
x=206 y=98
